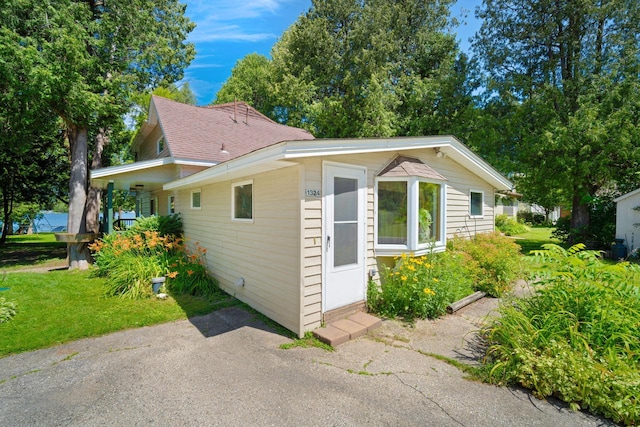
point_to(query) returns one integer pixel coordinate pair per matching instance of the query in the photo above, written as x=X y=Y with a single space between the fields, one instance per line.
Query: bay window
x=410 y=210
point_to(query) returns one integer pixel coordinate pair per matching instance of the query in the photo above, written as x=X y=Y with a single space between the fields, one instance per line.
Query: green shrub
x=7 y=310
x=577 y=338
x=419 y=287
x=509 y=226
x=170 y=225
x=497 y=261
x=532 y=218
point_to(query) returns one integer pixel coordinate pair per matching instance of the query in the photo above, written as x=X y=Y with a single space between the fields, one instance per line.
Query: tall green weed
x=577 y=338
x=7 y=310
x=496 y=261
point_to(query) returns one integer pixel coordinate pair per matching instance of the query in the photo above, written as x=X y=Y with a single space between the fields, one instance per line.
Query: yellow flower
x=411 y=267
x=435 y=279
x=429 y=291
x=403 y=278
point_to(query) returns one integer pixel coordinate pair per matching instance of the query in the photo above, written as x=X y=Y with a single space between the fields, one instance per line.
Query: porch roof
x=145 y=175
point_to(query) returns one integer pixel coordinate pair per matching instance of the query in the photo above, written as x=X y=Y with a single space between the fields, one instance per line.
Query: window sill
x=382 y=251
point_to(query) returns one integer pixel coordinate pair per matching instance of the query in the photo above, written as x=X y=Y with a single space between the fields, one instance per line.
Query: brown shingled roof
x=219 y=133
x=403 y=166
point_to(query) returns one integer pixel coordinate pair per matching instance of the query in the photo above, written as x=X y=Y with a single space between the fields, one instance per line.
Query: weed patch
x=308 y=341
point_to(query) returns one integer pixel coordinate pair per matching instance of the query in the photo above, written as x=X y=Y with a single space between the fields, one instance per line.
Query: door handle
x=328 y=242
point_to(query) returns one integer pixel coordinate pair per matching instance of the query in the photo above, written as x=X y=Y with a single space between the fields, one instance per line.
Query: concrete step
x=343 y=330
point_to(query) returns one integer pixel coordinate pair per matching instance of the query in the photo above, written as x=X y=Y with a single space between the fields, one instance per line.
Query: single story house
x=628 y=219
x=296 y=226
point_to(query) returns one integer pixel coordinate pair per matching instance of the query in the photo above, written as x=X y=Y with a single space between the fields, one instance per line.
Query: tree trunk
x=7 y=225
x=92 y=210
x=580 y=219
x=78 y=253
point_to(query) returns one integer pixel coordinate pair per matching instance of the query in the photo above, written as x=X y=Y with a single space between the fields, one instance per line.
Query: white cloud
x=231 y=20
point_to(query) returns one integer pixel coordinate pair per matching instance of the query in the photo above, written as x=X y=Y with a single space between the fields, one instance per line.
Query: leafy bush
x=577 y=338
x=170 y=225
x=7 y=310
x=420 y=287
x=131 y=259
x=532 y=218
x=497 y=261
x=509 y=226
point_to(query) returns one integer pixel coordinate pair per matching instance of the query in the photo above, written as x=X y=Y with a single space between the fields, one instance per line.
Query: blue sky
x=228 y=30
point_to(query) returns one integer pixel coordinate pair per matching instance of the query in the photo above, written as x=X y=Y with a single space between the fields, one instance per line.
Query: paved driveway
x=227 y=369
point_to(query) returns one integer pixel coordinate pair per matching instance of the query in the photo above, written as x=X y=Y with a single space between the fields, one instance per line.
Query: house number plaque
x=312 y=193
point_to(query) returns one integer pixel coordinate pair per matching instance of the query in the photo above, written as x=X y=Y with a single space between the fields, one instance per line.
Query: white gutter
x=130 y=167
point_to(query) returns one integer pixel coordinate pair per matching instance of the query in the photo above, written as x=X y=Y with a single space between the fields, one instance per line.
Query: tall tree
x=250 y=82
x=93 y=55
x=567 y=74
x=352 y=68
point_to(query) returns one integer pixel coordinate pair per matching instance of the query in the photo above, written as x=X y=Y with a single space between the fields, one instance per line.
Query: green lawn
x=535 y=238
x=32 y=250
x=62 y=306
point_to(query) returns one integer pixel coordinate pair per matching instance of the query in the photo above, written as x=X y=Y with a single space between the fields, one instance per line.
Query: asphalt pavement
x=227 y=369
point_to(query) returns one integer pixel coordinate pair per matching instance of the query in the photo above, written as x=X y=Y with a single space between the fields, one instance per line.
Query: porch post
x=108 y=220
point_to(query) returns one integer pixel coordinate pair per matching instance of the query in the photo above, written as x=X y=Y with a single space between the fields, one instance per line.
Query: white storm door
x=344 y=235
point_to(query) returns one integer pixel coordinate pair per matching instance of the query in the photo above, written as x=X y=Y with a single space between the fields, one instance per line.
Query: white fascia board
x=188 y=162
x=130 y=167
x=324 y=147
x=625 y=196
x=488 y=172
x=460 y=153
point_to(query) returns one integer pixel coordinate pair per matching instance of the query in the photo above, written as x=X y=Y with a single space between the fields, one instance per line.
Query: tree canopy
x=349 y=68
x=563 y=86
x=31 y=136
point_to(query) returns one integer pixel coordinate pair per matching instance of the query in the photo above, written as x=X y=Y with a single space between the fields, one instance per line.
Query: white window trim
x=172 y=196
x=471 y=215
x=233 y=201
x=196 y=208
x=412 y=245
x=164 y=145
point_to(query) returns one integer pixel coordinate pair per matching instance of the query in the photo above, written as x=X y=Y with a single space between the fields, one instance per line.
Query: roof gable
x=218 y=133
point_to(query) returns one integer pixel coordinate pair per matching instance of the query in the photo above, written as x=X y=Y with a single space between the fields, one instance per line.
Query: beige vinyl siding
x=143 y=200
x=312 y=292
x=148 y=149
x=265 y=252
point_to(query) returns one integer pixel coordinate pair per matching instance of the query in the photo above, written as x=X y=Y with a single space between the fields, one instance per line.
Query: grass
x=535 y=238
x=32 y=250
x=62 y=306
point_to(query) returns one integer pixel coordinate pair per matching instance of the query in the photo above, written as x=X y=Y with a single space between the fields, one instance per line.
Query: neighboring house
x=294 y=226
x=628 y=219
